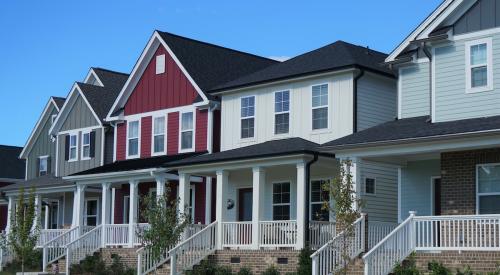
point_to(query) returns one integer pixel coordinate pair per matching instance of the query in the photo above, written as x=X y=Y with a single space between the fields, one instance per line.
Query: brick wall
x=458 y=179
x=257 y=261
x=479 y=262
x=128 y=256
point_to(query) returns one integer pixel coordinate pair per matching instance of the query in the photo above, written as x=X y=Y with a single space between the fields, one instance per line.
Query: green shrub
x=271 y=271
x=204 y=268
x=32 y=264
x=305 y=262
x=438 y=269
x=467 y=271
x=223 y=270
x=95 y=265
x=407 y=268
x=245 y=271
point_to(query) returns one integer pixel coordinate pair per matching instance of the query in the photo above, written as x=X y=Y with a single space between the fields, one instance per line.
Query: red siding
x=162 y=91
x=121 y=140
x=3 y=217
x=173 y=133
x=200 y=202
x=201 y=130
x=146 y=132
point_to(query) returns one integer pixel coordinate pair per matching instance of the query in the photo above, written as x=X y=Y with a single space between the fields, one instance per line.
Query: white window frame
x=192 y=149
x=248 y=117
x=128 y=156
x=328 y=108
x=85 y=216
x=82 y=157
x=192 y=207
x=374 y=186
x=310 y=198
x=478 y=195
x=489 y=65
x=46 y=158
x=160 y=64
x=280 y=113
x=153 y=135
x=281 y=204
x=75 y=147
x=53 y=118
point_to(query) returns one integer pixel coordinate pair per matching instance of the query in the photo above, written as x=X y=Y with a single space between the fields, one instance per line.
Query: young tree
x=345 y=207
x=24 y=229
x=166 y=224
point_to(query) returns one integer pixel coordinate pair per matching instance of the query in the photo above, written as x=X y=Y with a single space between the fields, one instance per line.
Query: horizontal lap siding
x=146 y=128
x=160 y=91
x=383 y=205
x=173 y=133
x=201 y=130
x=415 y=95
x=376 y=101
x=121 y=137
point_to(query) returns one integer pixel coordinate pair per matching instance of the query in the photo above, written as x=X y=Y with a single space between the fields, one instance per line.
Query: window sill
x=72 y=160
x=186 y=150
x=132 y=157
x=478 y=90
x=321 y=131
x=86 y=158
x=153 y=154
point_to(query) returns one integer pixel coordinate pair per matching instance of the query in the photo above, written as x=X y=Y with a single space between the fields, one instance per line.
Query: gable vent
x=160 y=64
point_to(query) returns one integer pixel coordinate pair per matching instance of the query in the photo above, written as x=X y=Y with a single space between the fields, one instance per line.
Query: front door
x=245 y=204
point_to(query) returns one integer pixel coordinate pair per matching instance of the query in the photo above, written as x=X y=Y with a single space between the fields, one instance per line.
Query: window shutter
x=37 y=167
x=49 y=168
x=92 y=144
x=66 y=148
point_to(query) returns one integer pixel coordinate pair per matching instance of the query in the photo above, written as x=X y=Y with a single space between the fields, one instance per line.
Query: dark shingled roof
x=335 y=56
x=136 y=164
x=415 y=128
x=59 y=101
x=266 y=149
x=111 y=79
x=211 y=65
x=40 y=182
x=11 y=167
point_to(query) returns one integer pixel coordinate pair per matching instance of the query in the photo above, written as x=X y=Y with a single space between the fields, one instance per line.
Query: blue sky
x=47 y=45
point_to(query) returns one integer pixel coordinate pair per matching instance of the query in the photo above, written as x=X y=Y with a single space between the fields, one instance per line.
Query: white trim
x=433 y=194
x=328 y=106
x=476 y=34
x=289 y=182
x=126 y=209
x=26 y=169
x=192 y=188
x=103 y=144
x=56 y=168
x=400 y=178
x=400 y=94
x=93 y=73
x=193 y=148
x=74 y=134
x=165 y=112
x=127 y=138
x=477 y=185
x=91 y=128
x=46 y=165
x=115 y=138
x=153 y=124
x=154 y=42
x=254 y=117
x=113 y=201
x=364 y=178
x=289 y=112
x=160 y=64
x=433 y=86
x=489 y=65
x=83 y=133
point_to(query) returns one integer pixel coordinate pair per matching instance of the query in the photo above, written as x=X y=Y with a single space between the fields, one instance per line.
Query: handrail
x=56 y=248
x=84 y=246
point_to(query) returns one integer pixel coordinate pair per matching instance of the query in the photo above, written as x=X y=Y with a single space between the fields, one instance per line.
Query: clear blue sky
x=47 y=45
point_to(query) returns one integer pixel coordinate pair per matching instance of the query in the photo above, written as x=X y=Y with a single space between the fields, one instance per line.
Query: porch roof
x=414 y=129
x=39 y=183
x=271 y=148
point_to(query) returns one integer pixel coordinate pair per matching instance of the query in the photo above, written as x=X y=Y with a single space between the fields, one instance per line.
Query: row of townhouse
x=246 y=143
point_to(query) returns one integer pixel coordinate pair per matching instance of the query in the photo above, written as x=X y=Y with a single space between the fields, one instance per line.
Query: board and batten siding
x=70 y=167
x=383 y=205
x=415 y=90
x=416 y=188
x=79 y=116
x=451 y=99
x=340 y=116
x=42 y=145
x=377 y=100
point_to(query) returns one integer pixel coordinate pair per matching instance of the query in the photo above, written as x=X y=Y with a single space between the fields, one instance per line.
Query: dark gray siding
x=485 y=14
x=109 y=145
x=80 y=116
x=67 y=167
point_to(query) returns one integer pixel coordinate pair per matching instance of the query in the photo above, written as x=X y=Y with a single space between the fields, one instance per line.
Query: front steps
x=481 y=262
x=356 y=267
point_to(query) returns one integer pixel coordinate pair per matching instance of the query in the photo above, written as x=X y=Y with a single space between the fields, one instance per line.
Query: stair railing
x=55 y=249
x=84 y=246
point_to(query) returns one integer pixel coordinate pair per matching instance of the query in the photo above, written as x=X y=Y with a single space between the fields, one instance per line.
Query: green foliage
x=208 y=268
x=436 y=268
x=407 y=268
x=31 y=264
x=271 y=271
x=245 y=271
x=95 y=265
x=166 y=226
x=23 y=232
x=305 y=262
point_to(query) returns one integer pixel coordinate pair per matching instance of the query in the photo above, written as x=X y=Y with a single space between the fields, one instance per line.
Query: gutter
x=355 y=101
x=307 y=200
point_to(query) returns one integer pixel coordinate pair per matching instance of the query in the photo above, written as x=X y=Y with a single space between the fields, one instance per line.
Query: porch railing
x=320 y=233
x=378 y=230
x=116 y=234
x=277 y=233
x=236 y=234
x=55 y=249
x=84 y=246
x=330 y=258
x=5 y=257
x=47 y=235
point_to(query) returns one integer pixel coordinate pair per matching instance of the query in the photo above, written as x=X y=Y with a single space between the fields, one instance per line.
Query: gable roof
x=11 y=167
x=111 y=79
x=335 y=56
x=59 y=101
x=414 y=129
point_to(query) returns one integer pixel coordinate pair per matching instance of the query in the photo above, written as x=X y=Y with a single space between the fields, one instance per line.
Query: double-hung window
x=133 y=139
x=247 y=116
x=281 y=201
x=318 y=198
x=159 y=135
x=320 y=107
x=479 y=71
x=370 y=184
x=281 y=112
x=187 y=129
x=43 y=166
x=86 y=145
x=488 y=188
x=73 y=147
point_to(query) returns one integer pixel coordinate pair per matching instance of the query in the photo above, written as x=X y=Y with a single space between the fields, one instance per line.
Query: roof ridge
x=108 y=70
x=218 y=46
x=58 y=97
x=11 y=146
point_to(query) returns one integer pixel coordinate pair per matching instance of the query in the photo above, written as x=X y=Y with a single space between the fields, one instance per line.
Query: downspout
x=429 y=56
x=355 y=102
x=307 y=206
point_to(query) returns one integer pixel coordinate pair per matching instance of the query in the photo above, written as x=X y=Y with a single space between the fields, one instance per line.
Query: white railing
x=47 y=235
x=378 y=230
x=321 y=233
x=480 y=232
x=394 y=248
x=277 y=233
x=329 y=259
x=116 y=234
x=139 y=229
x=55 y=249
x=194 y=228
x=193 y=250
x=236 y=234
x=84 y=246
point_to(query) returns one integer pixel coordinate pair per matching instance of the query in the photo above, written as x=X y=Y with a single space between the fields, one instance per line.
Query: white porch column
x=208 y=200
x=220 y=203
x=105 y=210
x=113 y=202
x=160 y=185
x=46 y=222
x=132 y=220
x=355 y=179
x=79 y=205
x=38 y=211
x=184 y=186
x=259 y=180
x=301 y=200
x=10 y=208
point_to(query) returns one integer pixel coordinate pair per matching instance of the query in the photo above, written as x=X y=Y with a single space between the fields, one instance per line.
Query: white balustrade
x=378 y=230
x=56 y=248
x=331 y=257
x=277 y=233
x=320 y=233
x=84 y=246
x=47 y=235
x=236 y=234
x=116 y=234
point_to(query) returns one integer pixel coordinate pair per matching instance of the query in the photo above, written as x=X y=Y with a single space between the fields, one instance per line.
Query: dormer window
x=479 y=71
x=160 y=64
